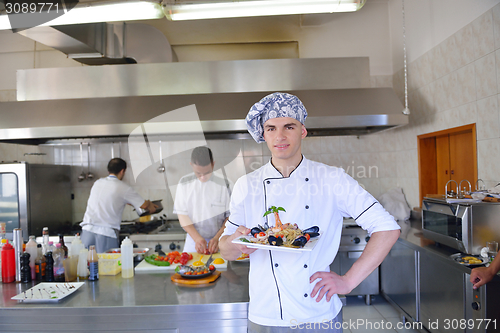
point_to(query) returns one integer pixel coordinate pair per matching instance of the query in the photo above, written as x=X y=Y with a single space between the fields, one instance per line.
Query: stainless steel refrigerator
x=33 y=196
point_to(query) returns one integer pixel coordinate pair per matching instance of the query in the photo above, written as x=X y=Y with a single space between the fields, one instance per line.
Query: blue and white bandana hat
x=276 y=105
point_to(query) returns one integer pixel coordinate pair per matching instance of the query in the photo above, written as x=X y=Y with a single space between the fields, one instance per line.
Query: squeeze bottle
x=31 y=248
x=8 y=263
x=127 y=258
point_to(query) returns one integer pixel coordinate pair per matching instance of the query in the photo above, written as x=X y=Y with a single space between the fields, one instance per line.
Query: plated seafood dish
x=287 y=234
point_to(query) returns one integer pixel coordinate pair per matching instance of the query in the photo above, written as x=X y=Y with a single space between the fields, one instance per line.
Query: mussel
x=256 y=230
x=275 y=241
x=312 y=231
x=300 y=241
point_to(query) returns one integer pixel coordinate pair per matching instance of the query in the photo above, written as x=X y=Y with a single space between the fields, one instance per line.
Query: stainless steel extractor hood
x=111 y=101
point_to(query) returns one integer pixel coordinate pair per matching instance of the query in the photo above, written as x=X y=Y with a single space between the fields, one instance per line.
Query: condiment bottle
x=93 y=261
x=63 y=246
x=25 y=267
x=76 y=246
x=58 y=256
x=127 y=258
x=45 y=239
x=40 y=263
x=50 y=247
x=2 y=242
x=49 y=267
x=82 y=269
x=8 y=263
x=31 y=248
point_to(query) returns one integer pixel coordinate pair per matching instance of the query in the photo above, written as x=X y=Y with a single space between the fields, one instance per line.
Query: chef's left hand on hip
x=329 y=285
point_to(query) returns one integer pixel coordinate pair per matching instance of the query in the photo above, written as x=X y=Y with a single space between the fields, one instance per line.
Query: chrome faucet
x=482 y=187
x=463 y=192
x=451 y=195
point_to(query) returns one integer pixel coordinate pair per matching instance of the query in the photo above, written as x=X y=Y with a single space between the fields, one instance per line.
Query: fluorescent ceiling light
x=176 y=10
x=93 y=13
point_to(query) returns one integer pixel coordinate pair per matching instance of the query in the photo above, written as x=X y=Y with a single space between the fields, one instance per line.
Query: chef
x=202 y=203
x=296 y=289
x=107 y=200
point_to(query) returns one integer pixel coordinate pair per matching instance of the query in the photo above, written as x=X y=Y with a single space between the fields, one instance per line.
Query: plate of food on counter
x=194 y=272
x=243 y=257
x=469 y=260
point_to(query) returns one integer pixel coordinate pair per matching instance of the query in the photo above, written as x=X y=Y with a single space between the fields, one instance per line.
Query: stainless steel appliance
x=352 y=243
x=33 y=196
x=463 y=226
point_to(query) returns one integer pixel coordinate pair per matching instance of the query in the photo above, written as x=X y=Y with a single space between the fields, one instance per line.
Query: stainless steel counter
x=146 y=302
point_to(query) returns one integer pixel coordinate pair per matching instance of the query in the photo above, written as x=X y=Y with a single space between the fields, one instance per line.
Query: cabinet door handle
x=445 y=172
x=452 y=172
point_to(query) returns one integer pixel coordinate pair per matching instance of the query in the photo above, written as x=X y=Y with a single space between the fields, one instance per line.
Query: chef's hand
x=231 y=251
x=213 y=245
x=329 y=285
x=200 y=245
x=480 y=276
x=242 y=231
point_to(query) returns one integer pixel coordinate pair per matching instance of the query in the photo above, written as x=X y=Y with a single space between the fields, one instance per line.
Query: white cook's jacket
x=314 y=194
x=206 y=204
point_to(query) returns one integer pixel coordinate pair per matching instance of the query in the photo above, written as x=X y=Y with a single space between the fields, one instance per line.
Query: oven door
x=448 y=224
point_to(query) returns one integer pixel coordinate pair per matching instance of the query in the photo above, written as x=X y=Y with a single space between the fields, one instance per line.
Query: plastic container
x=58 y=256
x=8 y=263
x=109 y=263
x=127 y=251
x=83 y=269
x=93 y=261
x=31 y=248
x=76 y=246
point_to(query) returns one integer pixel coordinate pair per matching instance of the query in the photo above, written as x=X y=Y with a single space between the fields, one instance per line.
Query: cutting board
x=145 y=267
x=176 y=278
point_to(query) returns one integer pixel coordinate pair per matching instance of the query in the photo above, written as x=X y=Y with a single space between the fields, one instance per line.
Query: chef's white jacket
x=314 y=194
x=105 y=206
x=206 y=204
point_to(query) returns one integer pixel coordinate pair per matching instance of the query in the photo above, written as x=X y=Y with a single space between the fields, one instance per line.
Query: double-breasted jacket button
x=276 y=265
x=305 y=265
x=307 y=206
x=269 y=182
x=307 y=179
x=305 y=295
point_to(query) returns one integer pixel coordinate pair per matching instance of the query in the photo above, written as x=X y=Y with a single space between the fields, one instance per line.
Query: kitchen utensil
x=161 y=168
x=209 y=261
x=82 y=176
x=90 y=175
x=159 y=209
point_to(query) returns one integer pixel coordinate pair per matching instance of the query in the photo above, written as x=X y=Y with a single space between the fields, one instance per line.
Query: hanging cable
x=406 y=110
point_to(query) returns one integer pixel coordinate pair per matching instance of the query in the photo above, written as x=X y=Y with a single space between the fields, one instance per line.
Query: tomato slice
x=308 y=237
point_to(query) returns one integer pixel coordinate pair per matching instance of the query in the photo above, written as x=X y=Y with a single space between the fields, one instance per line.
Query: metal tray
x=459 y=258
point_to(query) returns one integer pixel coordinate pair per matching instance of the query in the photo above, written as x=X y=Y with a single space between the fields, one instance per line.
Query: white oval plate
x=308 y=247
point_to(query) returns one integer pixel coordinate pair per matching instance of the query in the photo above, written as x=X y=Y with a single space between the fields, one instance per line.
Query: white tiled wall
x=454 y=84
